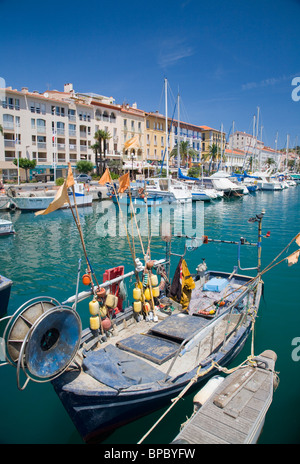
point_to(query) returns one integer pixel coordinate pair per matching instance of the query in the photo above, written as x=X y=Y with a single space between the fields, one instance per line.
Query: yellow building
x=210 y=136
x=154 y=137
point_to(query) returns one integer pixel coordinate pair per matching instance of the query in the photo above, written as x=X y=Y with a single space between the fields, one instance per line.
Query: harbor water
x=42 y=260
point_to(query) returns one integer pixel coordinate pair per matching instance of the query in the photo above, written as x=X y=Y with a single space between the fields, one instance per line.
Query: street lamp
x=131 y=156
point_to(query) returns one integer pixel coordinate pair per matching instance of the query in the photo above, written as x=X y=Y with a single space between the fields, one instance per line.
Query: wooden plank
x=236 y=405
x=219 y=429
x=237 y=382
x=241 y=423
x=196 y=436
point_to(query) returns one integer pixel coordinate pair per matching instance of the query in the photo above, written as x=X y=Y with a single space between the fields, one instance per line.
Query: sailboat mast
x=287 y=149
x=178 y=136
x=166 y=112
x=257 y=136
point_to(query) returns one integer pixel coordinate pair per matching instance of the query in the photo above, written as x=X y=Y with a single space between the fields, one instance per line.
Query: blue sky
x=226 y=57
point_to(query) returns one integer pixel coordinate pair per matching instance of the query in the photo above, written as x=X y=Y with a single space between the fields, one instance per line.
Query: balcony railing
x=83 y=147
x=9 y=143
x=42 y=145
x=8 y=125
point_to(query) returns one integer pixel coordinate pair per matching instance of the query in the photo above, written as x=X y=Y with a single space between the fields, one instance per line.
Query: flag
x=293 y=258
x=132 y=143
x=61 y=196
x=124 y=183
x=298 y=239
x=105 y=178
x=60 y=199
x=70 y=178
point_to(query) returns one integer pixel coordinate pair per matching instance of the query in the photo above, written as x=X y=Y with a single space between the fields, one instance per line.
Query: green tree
x=25 y=164
x=1 y=129
x=194 y=171
x=101 y=136
x=185 y=150
x=84 y=167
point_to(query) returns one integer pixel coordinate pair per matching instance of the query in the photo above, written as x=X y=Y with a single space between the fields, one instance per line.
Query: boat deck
x=234 y=414
x=155 y=345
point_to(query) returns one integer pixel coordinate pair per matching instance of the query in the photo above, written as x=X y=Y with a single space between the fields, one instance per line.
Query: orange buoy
x=106 y=323
x=101 y=293
x=86 y=279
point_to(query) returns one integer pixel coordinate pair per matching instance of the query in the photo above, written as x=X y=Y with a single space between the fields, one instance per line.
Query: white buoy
x=202 y=396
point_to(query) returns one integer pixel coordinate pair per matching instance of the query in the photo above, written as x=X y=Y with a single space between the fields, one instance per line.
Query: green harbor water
x=42 y=259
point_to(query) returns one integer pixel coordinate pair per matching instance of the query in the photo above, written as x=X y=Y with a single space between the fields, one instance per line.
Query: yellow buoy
x=147 y=294
x=94 y=323
x=103 y=311
x=154 y=280
x=137 y=294
x=137 y=306
x=155 y=292
x=111 y=300
x=94 y=307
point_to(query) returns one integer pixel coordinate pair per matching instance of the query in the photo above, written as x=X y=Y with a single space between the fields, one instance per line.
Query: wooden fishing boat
x=145 y=364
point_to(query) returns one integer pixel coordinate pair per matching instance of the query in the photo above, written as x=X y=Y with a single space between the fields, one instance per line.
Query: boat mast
x=257 y=138
x=286 y=152
x=178 y=135
x=166 y=112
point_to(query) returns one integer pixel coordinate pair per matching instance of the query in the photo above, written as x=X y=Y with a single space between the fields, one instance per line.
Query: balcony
x=41 y=129
x=8 y=125
x=83 y=134
x=61 y=146
x=8 y=143
x=42 y=145
x=60 y=131
x=83 y=147
x=72 y=132
x=72 y=147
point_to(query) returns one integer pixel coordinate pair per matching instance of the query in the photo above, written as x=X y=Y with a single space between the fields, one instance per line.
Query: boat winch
x=42 y=338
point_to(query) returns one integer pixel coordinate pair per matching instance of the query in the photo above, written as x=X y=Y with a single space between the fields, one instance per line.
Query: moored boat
x=221 y=408
x=6 y=227
x=5 y=289
x=35 y=200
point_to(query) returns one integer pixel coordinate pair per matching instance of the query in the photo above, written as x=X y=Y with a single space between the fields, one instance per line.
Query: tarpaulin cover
x=215 y=285
x=118 y=369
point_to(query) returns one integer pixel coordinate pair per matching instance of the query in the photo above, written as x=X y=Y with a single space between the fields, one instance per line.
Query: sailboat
x=167 y=186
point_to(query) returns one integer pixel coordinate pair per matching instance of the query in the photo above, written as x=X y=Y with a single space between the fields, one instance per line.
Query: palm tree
x=105 y=136
x=1 y=129
x=213 y=154
x=186 y=152
x=101 y=136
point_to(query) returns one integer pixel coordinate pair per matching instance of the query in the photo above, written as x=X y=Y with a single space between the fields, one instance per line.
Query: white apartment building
x=254 y=149
x=243 y=141
x=54 y=128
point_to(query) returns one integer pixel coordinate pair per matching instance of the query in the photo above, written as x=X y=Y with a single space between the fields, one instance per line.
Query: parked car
x=83 y=178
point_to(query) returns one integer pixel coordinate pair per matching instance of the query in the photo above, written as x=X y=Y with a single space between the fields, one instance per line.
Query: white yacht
x=35 y=200
x=265 y=182
x=220 y=181
x=170 y=189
